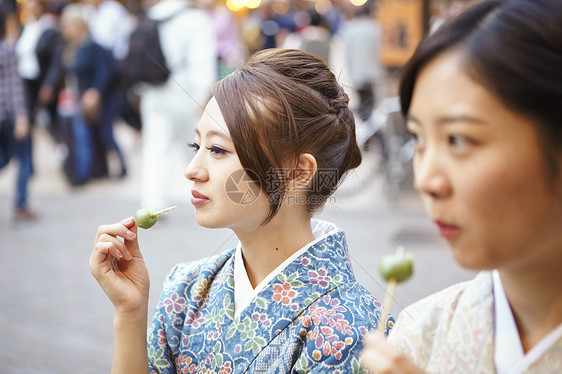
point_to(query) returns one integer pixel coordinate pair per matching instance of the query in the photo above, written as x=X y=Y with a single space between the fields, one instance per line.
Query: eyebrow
x=451 y=119
x=220 y=134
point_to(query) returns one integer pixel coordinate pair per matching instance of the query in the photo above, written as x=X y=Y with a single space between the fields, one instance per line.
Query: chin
x=204 y=220
x=470 y=260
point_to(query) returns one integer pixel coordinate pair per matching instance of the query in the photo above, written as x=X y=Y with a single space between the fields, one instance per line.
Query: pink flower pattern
x=284 y=293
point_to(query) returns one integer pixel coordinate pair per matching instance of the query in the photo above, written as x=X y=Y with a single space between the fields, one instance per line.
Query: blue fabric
x=82 y=138
x=110 y=105
x=310 y=318
x=6 y=142
x=23 y=153
x=93 y=68
x=21 y=149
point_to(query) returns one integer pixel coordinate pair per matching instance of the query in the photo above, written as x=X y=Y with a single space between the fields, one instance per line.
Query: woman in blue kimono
x=483 y=97
x=273 y=144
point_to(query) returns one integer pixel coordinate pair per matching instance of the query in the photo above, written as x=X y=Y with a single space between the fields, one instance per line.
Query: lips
x=198 y=198
x=447 y=230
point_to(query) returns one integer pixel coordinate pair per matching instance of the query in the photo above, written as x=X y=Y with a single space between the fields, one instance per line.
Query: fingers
x=382 y=357
x=372 y=356
x=107 y=241
x=115 y=247
x=122 y=229
x=107 y=246
x=132 y=242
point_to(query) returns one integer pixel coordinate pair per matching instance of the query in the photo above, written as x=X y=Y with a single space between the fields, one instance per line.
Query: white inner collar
x=244 y=293
x=509 y=356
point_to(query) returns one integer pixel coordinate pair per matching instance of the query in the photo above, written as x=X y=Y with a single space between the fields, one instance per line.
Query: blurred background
x=89 y=155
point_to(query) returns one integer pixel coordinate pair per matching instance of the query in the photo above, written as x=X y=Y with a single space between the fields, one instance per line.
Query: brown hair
x=281 y=104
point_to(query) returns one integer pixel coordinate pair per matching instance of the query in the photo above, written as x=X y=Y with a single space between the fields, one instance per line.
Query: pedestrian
x=276 y=139
x=87 y=78
x=170 y=111
x=314 y=37
x=39 y=51
x=483 y=97
x=362 y=40
x=231 y=51
x=15 y=138
x=110 y=26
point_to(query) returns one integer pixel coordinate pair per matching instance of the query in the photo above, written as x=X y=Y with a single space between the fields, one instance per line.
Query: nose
x=430 y=176
x=196 y=169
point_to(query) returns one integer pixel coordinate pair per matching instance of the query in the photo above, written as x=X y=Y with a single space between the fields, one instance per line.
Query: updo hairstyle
x=281 y=104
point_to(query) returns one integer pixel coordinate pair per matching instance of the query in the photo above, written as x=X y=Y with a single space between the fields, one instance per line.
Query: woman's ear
x=303 y=172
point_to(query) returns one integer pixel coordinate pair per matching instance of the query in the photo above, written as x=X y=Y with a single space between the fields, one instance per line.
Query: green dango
x=394 y=268
x=146 y=218
x=399 y=267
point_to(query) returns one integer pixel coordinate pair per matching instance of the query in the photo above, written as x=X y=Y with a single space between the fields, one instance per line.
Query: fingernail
x=130 y=234
x=128 y=256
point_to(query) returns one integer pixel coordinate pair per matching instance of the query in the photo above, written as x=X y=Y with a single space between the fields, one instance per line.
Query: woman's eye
x=216 y=150
x=418 y=139
x=193 y=146
x=458 y=141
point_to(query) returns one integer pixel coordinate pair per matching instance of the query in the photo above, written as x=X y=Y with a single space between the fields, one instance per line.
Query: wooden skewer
x=388 y=296
x=165 y=210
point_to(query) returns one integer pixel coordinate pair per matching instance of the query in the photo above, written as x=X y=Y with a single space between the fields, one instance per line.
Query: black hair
x=514 y=49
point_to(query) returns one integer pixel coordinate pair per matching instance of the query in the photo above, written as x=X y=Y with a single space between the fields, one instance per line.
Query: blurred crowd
x=77 y=68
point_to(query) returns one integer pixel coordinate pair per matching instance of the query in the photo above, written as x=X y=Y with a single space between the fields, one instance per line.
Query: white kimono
x=453 y=331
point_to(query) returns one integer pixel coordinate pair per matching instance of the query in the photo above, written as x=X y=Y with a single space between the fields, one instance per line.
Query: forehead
x=443 y=85
x=212 y=122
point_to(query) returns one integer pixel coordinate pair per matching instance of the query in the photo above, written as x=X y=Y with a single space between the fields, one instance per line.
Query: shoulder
x=186 y=273
x=49 y=34
x=90 y=46
x=420 y=323
x=444 y=299
x=447 y=301
x=429 y=311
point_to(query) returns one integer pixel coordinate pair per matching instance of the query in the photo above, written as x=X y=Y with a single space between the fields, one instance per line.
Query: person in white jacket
x=362 y=40
x=170 y=111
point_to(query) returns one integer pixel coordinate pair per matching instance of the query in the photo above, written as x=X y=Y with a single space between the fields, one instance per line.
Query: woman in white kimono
x=274 y=142
x=483 y=97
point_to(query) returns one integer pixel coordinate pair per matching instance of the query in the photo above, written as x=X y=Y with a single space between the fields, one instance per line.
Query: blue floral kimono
x=310 y=318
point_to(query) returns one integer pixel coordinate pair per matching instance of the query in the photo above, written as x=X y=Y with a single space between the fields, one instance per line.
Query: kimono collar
x=312 y=275
x=509 y=356
x=243 y=290
x=465 y=343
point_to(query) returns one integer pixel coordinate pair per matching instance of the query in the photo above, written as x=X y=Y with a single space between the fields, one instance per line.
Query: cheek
x=503 y=204
x=491 y=194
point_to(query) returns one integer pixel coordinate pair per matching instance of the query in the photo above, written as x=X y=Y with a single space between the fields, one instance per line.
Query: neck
x=534 y=295
x=270 y=245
